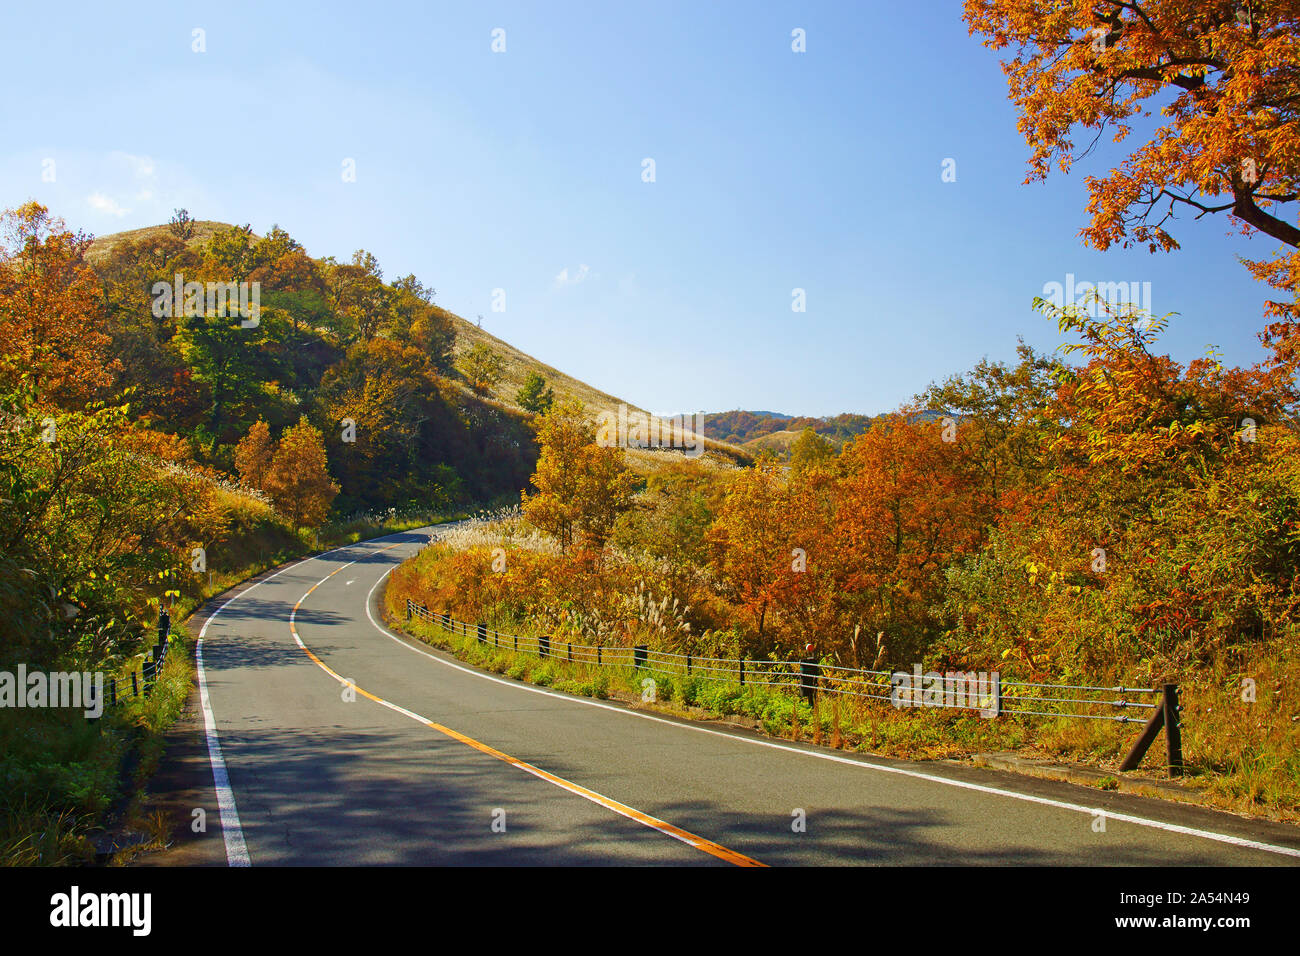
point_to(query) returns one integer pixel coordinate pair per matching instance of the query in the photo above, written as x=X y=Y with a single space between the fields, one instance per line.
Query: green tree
x=230 y=362
x=534 y=395
x=91 y=531
x=181 y=225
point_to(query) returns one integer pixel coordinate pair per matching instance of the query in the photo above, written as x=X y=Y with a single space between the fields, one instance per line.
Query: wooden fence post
x=1165 y=715
x=1173 y=731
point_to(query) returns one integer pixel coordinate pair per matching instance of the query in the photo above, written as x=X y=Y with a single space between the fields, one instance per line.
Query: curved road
x=431 y=762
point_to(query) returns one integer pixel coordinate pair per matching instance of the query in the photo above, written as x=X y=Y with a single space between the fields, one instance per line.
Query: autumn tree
x=482 y=367
x=1224 y=77
x=253 y=455
x=752 y=541
x=906 y=510
x=582 y=487
x=416 y=320
x=52 y=319
x=671 y=518
x=90 y=529
x=358 y=296
x=298 y=480
x=996 y=413
x=809 y=449
x=230 y=254
x=1154 y=535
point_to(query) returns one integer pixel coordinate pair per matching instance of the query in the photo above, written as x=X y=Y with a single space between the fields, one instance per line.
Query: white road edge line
x=1044 y=801
x=231 y=831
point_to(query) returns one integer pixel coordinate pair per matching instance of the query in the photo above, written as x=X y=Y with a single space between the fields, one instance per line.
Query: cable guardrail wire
x=962 y=690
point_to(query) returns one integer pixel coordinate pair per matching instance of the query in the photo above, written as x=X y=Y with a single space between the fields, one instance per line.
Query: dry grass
x=204 y=229
x=518 y=366
x=505 y=528
x=778 y=442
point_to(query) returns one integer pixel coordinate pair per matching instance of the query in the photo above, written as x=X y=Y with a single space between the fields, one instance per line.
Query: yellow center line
x=654 y=823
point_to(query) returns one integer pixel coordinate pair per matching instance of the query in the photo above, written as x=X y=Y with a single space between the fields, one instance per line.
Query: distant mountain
x=741 y=427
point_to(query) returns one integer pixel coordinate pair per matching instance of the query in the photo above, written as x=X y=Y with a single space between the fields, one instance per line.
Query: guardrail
x=963 y=690
x=142 y=678
x=141 y=681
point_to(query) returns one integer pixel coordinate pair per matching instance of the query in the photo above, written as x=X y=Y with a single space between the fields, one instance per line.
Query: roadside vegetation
x=1103 y=515
x=1114 y=521
x=152 y=455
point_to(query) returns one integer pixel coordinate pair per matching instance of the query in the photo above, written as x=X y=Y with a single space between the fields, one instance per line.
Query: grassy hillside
x=518 y=365
x=204 y=229
x=778 y=442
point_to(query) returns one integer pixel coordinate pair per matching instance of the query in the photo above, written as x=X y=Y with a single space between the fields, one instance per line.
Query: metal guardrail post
x=742 y=672
x=809 y=671
x=639 y=655
x=688 y=665
x=544 y=645
x=482 y=633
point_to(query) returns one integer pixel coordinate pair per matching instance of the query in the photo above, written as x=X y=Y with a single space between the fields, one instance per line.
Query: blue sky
x=522 y=170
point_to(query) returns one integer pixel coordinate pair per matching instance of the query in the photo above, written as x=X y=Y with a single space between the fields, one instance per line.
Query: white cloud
x=141 y=166
x=579 y=275
x=105 y=204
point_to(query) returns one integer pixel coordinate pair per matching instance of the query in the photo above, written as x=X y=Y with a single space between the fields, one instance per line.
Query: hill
x=745 y=428
x=202 y=231
x=517 y=365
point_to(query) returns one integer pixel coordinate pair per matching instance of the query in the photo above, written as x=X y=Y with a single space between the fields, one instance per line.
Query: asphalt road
x=435 y=763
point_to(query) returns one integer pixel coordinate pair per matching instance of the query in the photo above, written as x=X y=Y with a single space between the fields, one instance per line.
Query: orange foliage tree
x=253 y=455
x=51 y=312
x=908 y=507
x=753 y=542
x=1224 y=76
x=298 y=480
